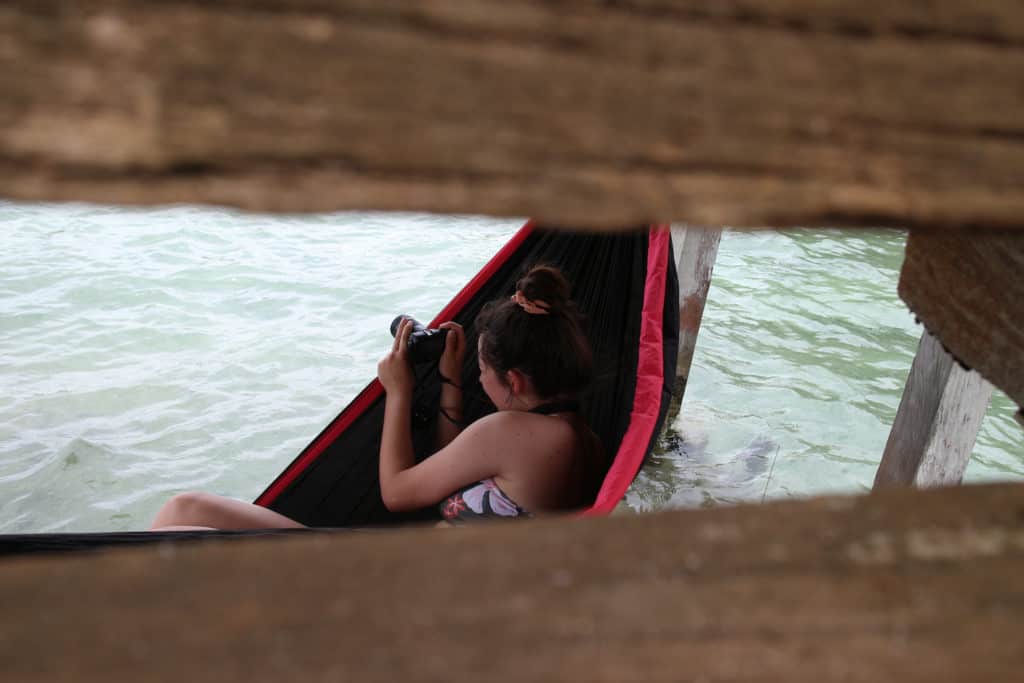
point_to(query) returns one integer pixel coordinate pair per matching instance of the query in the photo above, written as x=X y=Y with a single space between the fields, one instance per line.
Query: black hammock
x=624 y=284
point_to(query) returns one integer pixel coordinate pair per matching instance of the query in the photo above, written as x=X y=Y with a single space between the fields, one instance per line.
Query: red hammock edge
x=650 y=381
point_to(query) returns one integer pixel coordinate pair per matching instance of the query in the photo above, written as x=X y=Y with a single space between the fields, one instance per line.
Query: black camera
x=425 y=345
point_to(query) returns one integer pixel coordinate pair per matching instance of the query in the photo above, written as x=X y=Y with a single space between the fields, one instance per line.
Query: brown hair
x=551 y=348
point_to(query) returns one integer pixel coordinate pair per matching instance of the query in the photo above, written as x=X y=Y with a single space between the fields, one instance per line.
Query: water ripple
x=804 y=344
x=145 y=352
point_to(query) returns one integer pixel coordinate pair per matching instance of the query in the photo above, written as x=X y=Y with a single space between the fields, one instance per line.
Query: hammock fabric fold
x=626 y=286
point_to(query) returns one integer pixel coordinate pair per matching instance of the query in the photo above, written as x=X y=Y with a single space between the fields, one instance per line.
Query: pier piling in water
x=695 y=250
x=937 y=422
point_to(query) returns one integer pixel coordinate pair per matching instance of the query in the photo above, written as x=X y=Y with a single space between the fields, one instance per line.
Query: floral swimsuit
x=483 y=499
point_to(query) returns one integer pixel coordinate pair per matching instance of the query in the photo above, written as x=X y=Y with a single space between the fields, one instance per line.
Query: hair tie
x=532 y=307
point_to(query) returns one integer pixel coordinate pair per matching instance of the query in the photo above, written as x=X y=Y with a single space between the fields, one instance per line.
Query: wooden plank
x=695 y=250
x=745 y=113
x=908 y=586
x=937 y=422
x=970 y=294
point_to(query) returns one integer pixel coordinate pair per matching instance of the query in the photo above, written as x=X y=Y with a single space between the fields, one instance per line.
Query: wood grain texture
x=695 y=250
x=937 y=422
x=969 y=292
x=578 y=112
x=900 y=586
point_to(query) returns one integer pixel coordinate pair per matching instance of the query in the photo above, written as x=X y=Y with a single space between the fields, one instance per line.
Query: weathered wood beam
x=695 y=251
x=907 y=586
x=969 y=292
x=937 y=422
x=579 y=112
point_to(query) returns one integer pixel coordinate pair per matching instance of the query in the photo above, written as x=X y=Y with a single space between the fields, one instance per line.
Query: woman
x=534 y=455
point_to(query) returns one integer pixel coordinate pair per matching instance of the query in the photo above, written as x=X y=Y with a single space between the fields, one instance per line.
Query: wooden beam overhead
x=745 y=113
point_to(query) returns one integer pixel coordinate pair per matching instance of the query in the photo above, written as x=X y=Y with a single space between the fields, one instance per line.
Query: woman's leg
x=205 y=510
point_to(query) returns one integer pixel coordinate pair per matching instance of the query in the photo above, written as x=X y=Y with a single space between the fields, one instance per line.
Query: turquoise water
x=145 y=352
x=803 y=354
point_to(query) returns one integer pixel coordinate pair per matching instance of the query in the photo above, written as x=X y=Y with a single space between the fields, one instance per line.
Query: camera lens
x=425 y=345
x=416 y=326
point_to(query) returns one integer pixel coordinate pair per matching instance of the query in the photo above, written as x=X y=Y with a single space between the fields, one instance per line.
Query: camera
x=425 y=345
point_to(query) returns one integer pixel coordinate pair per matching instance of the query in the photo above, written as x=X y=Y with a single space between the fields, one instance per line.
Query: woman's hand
x=450 y=365
x=394 y=370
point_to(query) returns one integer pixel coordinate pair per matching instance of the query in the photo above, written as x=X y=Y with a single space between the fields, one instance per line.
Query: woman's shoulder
x=527 y=431
x=518 y=419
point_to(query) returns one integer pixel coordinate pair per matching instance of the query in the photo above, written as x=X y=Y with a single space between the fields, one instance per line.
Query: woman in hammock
x=534 y=455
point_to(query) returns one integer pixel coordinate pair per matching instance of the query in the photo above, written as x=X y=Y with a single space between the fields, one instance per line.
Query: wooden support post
x=695 y=250
x=937 y=421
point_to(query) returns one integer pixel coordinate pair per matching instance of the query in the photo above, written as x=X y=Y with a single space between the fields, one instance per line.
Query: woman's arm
x=395 y=374
x=404 y=485
x=449 y=414
x=396 y=452
x=474 y=455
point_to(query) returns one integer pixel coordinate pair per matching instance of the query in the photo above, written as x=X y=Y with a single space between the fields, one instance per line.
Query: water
x=145 y=352
x=802 y=358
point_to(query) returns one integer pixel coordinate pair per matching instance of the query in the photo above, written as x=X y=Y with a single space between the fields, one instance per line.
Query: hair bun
x=547 y=284
x=551 y=350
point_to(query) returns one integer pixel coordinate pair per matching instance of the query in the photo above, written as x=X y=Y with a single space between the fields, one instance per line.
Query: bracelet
x=457 y=423
x=445 y=380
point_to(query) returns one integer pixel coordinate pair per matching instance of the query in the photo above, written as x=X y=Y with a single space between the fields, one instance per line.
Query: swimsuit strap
x=556 y=407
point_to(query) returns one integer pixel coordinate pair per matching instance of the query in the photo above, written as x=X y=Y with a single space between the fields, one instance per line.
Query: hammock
x=621 y=283
x=624 y=284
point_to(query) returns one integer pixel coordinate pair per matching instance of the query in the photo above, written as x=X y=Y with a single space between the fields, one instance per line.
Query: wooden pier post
x=937 y=421
x=695 y=250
